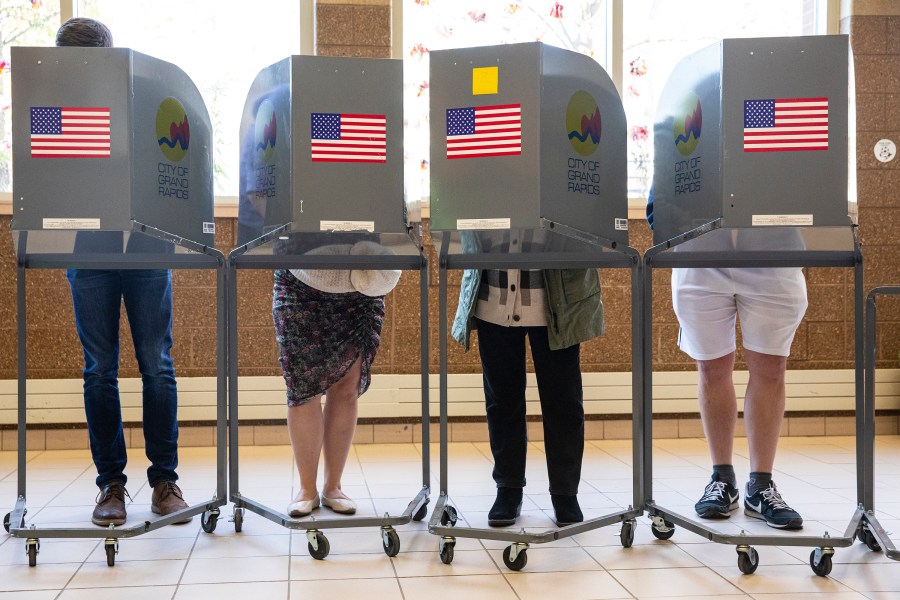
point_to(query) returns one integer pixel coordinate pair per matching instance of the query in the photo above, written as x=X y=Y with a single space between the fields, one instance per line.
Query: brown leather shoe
x=110 y=509
x=167 y=499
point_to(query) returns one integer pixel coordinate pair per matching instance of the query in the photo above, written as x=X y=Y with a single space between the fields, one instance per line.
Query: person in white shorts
x=770 y=303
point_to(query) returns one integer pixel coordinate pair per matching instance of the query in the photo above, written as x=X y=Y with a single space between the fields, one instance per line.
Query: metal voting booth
x=870 y=532
x=308 y=180
x=737 y=183
x=112 y=156
x=527 y=144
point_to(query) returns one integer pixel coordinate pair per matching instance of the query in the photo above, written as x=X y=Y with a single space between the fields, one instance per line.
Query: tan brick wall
x=874 y=29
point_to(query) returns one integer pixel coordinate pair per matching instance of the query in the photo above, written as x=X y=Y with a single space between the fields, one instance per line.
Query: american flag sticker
x=341 y=137
x=786 y=125
x=69 y=132
x=479 y=131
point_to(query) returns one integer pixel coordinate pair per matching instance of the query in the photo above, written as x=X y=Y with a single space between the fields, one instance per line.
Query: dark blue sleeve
x=650 y=208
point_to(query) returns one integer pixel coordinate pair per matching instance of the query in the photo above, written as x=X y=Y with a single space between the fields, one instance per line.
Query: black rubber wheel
x=208 y=521
x=449 y=516
x=391 y=544
x=421 y=513
x=32 y=555
x=871 y=541
x=110 y=555
x=663 y=535
x=6 y=518
x=627 y=534
x=447 y=552
x=519 y=563
x=824 y=567
x=748 y=561
x=238 y=519
x=324 y=547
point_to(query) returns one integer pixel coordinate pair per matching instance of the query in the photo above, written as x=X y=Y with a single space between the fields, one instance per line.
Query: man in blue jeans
x=97 y=296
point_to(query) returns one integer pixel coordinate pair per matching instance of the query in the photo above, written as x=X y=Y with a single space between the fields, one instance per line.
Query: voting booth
x=528 y=171
x=754 y=167
x=109 y=139
x=525 y=136
x=756 y=134
x=321 y=143
x=112 y=169
x=322 y=149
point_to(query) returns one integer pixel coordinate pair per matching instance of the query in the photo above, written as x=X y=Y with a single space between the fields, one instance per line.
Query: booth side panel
x=790 y=167
x=583 y=146
x=347 y=144
x=65 y=179
x=687 y=178
x=172 y=159
x=265 y=143
x=494 y=184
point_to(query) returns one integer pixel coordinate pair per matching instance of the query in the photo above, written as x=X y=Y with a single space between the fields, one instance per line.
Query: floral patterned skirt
x=321 y=335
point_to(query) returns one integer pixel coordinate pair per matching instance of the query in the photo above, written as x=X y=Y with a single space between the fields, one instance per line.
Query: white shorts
x=770 y=302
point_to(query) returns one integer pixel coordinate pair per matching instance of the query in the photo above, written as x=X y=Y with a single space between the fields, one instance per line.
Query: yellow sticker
x=484 y=80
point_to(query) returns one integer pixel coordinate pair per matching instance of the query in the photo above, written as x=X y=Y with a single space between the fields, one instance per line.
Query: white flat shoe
x=344 y=506
x=302 y=508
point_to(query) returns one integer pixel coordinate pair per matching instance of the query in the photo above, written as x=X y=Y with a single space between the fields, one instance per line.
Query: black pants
x=558 y=374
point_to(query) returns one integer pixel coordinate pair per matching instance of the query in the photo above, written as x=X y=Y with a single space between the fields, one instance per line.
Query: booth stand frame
x=318 y=544
x=665 y=520
x=870 y=531
x=607 y=255
x=200 y=257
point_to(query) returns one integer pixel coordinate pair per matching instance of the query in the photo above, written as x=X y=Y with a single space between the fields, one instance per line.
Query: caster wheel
x=390 y=539
x=627 y=533
x=111 y=551
x=320 y=552
x=238 y=519
x=449 y=516
x=7 y=520
x=208 y=520
x=421 y=513
x=748 y=561
x=32 y=555
x=517 y=564
x=663 y=534
x=868 y=538
x=822 y=566
x=446 y=548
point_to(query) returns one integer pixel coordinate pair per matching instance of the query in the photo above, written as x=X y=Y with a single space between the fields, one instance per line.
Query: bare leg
x=305 y=427
x=341 y=402
x=718 y=406
x=764 y=407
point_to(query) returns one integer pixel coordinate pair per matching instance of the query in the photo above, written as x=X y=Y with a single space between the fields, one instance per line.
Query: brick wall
x=874 y=29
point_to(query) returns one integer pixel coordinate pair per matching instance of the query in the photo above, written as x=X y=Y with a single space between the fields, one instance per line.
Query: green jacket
x=574 y=306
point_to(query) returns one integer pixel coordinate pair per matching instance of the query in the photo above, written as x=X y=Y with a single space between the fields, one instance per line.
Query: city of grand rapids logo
x=173 y=133
x=265 y=132
x=583 y=123
x=687 y=126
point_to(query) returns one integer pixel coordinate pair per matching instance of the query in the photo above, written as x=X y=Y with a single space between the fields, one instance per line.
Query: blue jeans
x=558 y=375
x=97 y=296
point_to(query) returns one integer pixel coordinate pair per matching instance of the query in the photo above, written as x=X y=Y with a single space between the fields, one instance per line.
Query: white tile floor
x=816 y=475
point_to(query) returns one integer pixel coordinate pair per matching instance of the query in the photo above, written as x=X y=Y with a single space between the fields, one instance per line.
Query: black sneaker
x=719 y=499
x=768 y=505
x=506 y=507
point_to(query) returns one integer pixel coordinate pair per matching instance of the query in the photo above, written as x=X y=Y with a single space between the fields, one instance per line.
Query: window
x=436 y=25
x=22 y=23
x=220 y=47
